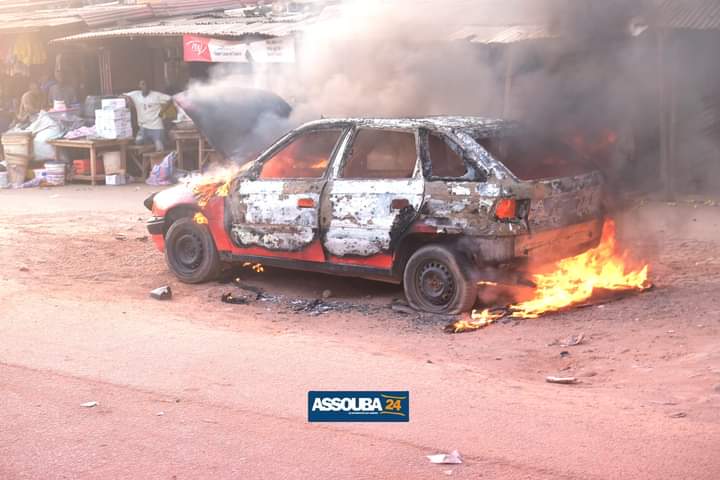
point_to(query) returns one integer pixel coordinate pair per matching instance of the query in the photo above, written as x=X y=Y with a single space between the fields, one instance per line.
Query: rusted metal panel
x=268 y=213
x=362 y=220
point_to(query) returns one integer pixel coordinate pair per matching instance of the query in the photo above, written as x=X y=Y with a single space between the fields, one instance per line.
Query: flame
x=215 y=184
x=572 y=281
x=257 y=267
x=200 y=219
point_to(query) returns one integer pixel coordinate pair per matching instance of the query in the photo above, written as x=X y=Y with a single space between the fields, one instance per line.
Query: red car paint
x=214 y=211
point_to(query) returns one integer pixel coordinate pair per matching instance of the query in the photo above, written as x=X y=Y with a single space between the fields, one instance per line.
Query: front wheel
x=190 y=252
x=435 y=282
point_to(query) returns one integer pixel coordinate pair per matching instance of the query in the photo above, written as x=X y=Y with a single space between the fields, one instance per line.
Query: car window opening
x=445 y=162
x=534 y=158
x=381 y=154
x=305 y=157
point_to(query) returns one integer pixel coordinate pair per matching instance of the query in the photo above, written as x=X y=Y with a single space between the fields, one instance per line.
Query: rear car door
x=375 y=193
x=278 y=207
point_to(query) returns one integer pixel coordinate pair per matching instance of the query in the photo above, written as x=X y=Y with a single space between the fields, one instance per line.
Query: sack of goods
x=113 y=123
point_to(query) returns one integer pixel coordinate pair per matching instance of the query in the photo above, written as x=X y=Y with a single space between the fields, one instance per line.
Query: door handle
x=399 y=203
x=306 y=203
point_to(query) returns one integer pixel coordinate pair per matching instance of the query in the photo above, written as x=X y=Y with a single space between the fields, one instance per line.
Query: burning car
x=435 y=203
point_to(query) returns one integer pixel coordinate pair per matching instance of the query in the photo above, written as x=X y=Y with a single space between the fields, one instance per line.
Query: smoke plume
x=594 y=84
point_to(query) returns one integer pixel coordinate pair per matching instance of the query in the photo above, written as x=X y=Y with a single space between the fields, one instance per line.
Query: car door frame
x=380 y=256
x=290 y=234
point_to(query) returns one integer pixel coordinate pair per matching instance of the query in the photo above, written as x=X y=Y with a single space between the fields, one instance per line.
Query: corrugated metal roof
x=517 y=33
x=689 y=14
x=203 y=26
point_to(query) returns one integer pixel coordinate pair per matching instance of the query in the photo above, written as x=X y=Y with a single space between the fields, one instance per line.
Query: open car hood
x=237 y=126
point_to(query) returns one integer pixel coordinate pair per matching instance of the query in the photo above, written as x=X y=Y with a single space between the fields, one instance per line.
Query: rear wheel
x=435 y=282
x=190 y=252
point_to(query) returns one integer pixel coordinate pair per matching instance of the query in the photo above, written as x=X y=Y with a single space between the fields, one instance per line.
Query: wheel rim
x=189 y=251
x=435 y=283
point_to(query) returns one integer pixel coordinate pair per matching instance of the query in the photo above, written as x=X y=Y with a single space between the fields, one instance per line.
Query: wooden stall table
x=93 y=145
x=181 y=135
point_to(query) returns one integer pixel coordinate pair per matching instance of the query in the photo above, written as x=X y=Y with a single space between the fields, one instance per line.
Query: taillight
x=506 y=209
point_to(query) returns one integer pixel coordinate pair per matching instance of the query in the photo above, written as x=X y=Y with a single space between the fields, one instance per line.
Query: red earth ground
x=195 y=388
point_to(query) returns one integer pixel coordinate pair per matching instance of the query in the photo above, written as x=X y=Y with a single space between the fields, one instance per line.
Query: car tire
x=190 y=252
x=435 y=281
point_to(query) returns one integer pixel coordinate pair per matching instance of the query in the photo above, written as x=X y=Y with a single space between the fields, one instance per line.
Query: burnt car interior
x=534 y=158
x=445 y=162
x=381 y=154
x=305 y=157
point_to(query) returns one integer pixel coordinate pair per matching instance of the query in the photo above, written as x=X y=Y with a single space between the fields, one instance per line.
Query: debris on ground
x=229 y=298
x=573 y=341
x=89 y=404
x=401 y=306
x=143 y=238
x=453 y=457
x=259 y=293
x=564 y=354
x=313 y=307
x=162 y=293
x=678 y=415
x=561 y=380
x=24 y=269
x=120 y=236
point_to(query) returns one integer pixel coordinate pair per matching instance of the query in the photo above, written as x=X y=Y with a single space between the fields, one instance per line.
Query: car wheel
x=190 y=252
x=435 y=282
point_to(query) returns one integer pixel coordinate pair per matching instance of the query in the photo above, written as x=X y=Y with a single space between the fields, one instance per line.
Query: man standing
x=149 y=104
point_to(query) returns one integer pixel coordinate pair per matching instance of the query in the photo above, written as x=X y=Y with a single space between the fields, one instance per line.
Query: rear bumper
x=559 y=243
x=543 y=246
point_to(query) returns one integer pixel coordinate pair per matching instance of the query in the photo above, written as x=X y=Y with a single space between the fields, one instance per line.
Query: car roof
x=479 y=125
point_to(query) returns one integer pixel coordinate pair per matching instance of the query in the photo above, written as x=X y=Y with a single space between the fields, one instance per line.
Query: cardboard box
x=113 y=103
x=116 y=179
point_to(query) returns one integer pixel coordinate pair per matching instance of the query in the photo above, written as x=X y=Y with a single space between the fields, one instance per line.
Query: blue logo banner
x=352 y=406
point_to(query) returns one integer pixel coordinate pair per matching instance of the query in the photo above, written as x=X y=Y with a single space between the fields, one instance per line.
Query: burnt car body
x=428 y=202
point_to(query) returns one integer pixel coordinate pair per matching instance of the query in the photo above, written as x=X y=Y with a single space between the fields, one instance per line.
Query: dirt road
x=195 y=388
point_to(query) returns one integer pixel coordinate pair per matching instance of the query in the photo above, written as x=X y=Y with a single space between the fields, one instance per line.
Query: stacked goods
x=17 y=147
x=113 y=123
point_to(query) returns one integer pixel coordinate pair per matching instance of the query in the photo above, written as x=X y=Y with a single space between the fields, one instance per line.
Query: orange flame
x=200 y=219
x=572 y=281
x=215 y=184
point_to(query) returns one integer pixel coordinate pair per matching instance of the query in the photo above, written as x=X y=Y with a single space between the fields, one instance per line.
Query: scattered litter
x=24 y=269
x=678 y=415
x=448 y=472
x=120 y=236
x=326 y=294
x=453 y=457
x=144 y=238
x=561 y=380
x=162 y=293
x=89 y=404
x=160 y=414
x=229 y=298
x=564 y=354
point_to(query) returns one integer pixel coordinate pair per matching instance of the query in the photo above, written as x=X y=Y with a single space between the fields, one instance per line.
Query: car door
x=277 y=208
x=375 y=192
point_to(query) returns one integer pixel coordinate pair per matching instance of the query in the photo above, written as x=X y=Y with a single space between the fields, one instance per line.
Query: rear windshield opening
x=535 y=158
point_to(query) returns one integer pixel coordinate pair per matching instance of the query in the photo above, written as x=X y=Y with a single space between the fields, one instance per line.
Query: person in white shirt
x=149 y=104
